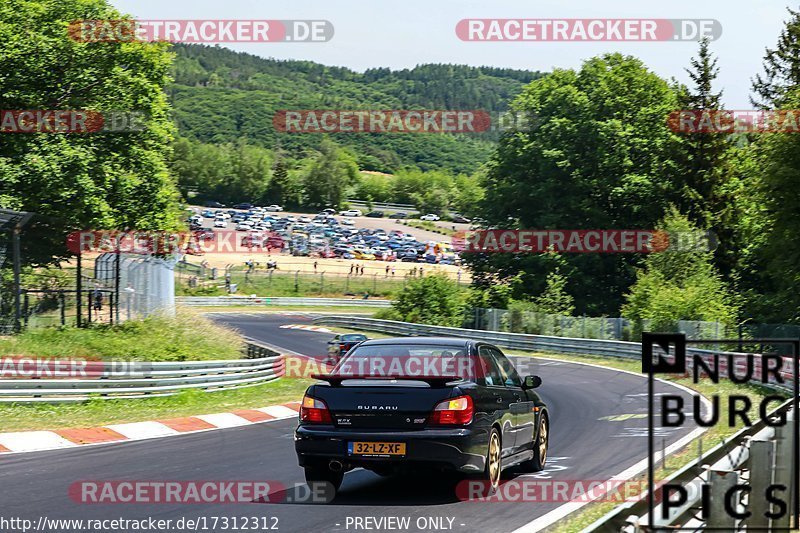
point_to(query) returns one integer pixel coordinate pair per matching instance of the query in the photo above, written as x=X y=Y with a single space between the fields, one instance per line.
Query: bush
x=679 y=285
x=434 y=299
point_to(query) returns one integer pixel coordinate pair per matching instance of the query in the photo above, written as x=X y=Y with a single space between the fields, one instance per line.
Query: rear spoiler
x=434 y=381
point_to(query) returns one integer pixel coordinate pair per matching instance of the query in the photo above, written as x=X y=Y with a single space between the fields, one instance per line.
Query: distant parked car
x=398 y=215
x=243 y=206
x=375 y=214
x=274 y=207
x=461 y=219
x=351 y=213
x=430 y=217
x=220 y=223
x=214 y=204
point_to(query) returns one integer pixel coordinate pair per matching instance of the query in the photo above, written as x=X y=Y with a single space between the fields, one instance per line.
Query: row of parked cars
x=324 y=235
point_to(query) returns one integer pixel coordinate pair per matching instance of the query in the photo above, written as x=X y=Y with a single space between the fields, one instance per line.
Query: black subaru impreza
x=422 y=404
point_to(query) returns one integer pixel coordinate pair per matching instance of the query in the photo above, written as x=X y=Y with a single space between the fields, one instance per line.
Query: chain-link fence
x=145 y=284
x=610 y=328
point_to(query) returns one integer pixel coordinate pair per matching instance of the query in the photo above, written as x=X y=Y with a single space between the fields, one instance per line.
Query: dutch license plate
x=377 y=448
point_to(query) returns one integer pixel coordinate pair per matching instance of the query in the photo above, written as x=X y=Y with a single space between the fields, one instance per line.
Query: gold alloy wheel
x=494 y=460
x=543 y=441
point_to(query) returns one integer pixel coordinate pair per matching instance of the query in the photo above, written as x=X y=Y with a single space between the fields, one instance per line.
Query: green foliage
x=187 y=336
x=100 y=180
x=433 y=299
x=679 y=285
x=229 y=172
x=328 y=176
x=246 y=90
x=598 y=157
x=781 y=67
x=555 y=299
x=778 y=163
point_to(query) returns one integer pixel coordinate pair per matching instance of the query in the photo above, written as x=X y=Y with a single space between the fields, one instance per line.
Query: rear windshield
x=354 y=337
x=407 y=360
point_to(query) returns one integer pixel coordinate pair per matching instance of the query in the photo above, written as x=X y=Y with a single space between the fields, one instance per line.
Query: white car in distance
x=430 y=217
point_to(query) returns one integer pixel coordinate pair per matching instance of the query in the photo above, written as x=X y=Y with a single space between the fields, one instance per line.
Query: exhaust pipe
x=335 y=466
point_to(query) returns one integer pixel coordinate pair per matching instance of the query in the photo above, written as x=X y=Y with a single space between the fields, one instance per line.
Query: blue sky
x=403 y=34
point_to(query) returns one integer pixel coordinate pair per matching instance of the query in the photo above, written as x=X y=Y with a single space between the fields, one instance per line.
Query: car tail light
x=314 y=411
x=343 y=347
x=455 y=411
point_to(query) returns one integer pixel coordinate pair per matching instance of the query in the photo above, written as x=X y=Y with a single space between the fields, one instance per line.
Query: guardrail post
x=784 y=467
x=721 y=481
x=761 y=471
x=63 y=304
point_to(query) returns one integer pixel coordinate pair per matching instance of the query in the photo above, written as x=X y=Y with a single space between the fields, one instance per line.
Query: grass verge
x=187 y=336
x=96 y=412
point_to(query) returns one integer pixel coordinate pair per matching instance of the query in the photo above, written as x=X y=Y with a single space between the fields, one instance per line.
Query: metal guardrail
x=151 y=379
x=205 y=301
x=759 y=454
x=517 y=341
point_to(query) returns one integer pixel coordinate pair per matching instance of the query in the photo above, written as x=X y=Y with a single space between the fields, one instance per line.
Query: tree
x=779 y=158
x=781 y=67
x=276 y=190
x=703 y=153
x=678 y=285
x=600 y=157
x=99 y=180
x=705 y=158
x=328 y=176
x=555 y=299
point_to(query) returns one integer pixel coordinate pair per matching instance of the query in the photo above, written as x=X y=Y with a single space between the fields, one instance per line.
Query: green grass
x=593 y=511
x=187 y=336
x=430 y=226
x=96 y=412
x=283 y=284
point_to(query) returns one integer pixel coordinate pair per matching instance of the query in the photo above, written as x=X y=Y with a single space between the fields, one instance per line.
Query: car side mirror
x=531 y=382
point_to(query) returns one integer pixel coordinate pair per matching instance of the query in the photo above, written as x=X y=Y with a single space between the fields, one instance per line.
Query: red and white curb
x=34 y=441
x=306 y=327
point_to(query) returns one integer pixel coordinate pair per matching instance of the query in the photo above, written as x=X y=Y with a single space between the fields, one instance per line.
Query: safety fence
x=141 y=379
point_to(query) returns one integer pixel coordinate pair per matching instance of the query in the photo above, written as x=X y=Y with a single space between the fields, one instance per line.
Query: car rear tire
x=540 y=443
x=321 y=474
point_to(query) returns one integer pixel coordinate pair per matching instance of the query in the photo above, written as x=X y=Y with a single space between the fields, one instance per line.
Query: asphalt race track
x=585 y=445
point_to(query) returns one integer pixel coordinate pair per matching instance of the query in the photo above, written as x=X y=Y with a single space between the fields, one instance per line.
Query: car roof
x=396 y=341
